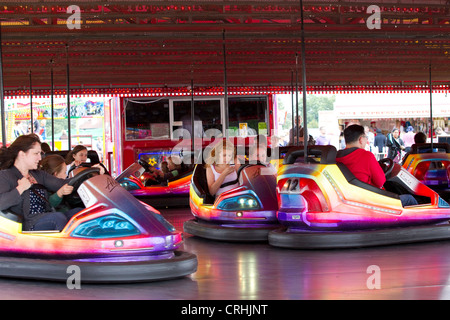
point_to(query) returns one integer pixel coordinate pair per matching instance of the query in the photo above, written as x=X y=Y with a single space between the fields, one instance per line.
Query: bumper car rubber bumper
x=229 y=232
x=308 y=239
x=180 y=265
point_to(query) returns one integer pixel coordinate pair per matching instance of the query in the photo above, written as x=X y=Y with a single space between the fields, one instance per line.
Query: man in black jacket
x=380 y=141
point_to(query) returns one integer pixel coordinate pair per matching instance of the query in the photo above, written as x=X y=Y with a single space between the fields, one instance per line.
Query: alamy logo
x=74 y=21
x=374 y=280
x=374 y=21
x=74 y=279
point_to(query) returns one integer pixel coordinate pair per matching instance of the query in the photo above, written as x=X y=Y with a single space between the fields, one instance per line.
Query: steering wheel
x=88 y=165
x=79 y=178
x=387 y=165
x=144 y=164
x=238 y=173
x=74 y=199
x=82 y=165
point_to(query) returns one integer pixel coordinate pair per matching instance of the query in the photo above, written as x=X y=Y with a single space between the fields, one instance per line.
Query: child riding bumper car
x=323 y=205
x=245 y=211
x=155 y=187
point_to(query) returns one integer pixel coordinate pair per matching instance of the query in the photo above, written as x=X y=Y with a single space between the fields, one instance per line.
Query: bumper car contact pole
x=431 y=107
x=296 y=134
x=31 y=103
x=225 y=84
x=305 y=122
x=192 y=112
x=292 y=105
x=52 y=102
x=69 y=135
x=2 y=93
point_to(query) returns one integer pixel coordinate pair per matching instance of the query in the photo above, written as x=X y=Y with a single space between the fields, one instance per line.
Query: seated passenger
x=55 y=165
x=19 y=175
x=165 y=167
x=419 y=137
x=258 y=155
x=170 y=169
x=76 y=157
x=79 y=155
x=362 y=163
x=220 y=168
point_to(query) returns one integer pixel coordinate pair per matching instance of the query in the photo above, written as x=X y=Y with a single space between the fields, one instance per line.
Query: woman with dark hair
x=396 y=145
x=23 y=188
x=79 y=155
x=76 y=157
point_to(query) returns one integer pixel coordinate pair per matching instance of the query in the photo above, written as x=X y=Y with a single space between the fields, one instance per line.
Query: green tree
x=315 y=103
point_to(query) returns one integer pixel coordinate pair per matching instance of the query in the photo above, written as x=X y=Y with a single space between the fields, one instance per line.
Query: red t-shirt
x=363 y=165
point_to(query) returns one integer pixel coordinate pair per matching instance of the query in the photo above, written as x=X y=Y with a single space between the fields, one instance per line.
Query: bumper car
x=138 y=180
x=431 y=168
x=115 y=239
x=323 y=206
x=245 y=213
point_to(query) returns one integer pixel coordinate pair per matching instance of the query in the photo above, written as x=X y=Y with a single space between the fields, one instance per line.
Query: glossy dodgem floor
x=233 y=271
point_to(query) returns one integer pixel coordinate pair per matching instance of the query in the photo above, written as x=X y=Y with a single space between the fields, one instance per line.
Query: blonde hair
x=217 y=151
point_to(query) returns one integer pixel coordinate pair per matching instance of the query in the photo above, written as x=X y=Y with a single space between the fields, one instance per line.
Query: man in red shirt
x=362 y=163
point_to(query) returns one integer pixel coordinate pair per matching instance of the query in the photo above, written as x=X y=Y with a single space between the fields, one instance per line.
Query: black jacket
x=380 y=140
x=20 y=204
x=394 y=146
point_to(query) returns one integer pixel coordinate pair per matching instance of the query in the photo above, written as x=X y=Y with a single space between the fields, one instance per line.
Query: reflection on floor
x=258 y=271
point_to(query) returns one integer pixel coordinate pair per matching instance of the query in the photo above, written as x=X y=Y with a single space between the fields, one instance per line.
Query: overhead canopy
x=166 y=43
x=392 y=106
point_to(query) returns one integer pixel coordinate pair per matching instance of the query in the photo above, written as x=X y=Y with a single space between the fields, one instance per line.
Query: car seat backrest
x=350 y=177
x=426 y=148
x=327 y=154
x=200 y=184
x=11 y=216
x=93 y=156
